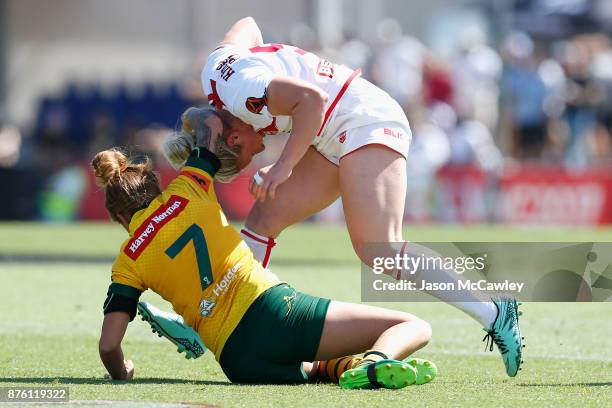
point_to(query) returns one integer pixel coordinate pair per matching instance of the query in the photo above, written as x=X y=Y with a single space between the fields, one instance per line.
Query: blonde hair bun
x=128 y=185
x=108 y=166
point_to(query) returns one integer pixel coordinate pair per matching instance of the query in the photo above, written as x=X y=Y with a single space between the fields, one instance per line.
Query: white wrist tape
x=257 y=178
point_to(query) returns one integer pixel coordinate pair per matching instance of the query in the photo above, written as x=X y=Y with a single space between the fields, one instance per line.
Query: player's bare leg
x=373 y=188
x=313 y=185
x=373 y=196
x=389 y=336
x=376 y=215
x=353 y=328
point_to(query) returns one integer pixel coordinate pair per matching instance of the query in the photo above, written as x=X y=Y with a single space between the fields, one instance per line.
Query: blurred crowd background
x=510 y=101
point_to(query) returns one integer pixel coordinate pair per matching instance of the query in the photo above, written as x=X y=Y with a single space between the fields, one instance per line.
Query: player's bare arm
x=208 y=127
x=201 y=127
x=113 y=330
x=305 y=104
x=244 y=33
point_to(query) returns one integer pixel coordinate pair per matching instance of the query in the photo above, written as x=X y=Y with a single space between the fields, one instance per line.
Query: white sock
x=484 y=313
x=478 y=305
x=260 y=246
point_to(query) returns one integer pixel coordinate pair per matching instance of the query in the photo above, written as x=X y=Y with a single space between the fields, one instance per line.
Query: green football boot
x=505 y=333
x=391 y=374
x=172 y=327
x=426 y=370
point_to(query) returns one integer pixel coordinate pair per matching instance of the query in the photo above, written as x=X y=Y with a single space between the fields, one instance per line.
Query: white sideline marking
x=124 y=404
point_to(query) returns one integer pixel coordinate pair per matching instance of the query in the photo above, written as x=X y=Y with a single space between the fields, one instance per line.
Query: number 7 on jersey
x=194 y=233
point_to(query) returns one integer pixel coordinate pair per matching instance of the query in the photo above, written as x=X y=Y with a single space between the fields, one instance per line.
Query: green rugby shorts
x=279 y=331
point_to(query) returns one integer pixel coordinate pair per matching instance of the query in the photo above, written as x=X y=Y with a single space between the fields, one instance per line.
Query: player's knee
x=369 y=250
x=418 y=327
x=426 y=332
x=265 y=222
x=360 y=248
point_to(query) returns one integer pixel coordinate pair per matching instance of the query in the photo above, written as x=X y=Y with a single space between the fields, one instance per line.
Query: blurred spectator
x=397 y=63
x=61 y=198
x=477 y=70
x=583 y=94
x=355 y=54
x=10 y=146
x=536 y=97
x=437 y=82
x=429 y=151
x=525 y=92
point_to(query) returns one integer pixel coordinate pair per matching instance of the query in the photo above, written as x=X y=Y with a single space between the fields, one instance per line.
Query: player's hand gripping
x=129 y=370
x=265 y=182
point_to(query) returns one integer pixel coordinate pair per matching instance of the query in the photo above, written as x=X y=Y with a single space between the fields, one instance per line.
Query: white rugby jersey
x=236 y=79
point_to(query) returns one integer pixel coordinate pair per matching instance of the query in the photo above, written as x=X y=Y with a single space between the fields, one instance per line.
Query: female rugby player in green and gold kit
x=260 y=329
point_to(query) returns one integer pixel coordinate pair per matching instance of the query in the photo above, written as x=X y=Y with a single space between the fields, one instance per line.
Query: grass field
x=54 y=281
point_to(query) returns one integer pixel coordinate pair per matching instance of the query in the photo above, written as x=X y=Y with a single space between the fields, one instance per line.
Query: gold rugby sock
x=331 y=370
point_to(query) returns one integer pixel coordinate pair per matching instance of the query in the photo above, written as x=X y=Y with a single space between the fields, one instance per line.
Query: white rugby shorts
x=365 y=115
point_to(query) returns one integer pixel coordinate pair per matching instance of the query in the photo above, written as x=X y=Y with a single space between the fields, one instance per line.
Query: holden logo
x=206 y=306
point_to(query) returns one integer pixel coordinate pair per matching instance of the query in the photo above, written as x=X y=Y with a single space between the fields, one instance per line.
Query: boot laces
x=493 y=337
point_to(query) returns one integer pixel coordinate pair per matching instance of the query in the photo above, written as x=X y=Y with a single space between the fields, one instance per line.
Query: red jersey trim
x=152 y=225
x=266 y=48
x=214 y=97
x=331 y=108
x=200 y=180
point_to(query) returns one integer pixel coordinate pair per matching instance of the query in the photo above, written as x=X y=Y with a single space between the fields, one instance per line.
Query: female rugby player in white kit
x=348 y=139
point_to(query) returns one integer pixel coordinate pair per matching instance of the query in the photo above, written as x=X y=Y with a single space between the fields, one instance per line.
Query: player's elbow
x=315 y=99
x=250 y=24
x=107 y=347
x=249 y=20
x=322 y=98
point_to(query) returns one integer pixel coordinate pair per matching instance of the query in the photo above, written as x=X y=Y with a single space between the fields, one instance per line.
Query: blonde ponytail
x=178 y=146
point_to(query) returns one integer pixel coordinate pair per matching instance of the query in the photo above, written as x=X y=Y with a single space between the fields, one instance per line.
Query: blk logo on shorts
x=398 y=134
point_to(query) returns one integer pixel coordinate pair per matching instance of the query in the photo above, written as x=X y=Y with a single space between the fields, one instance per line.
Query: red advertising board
x=536 y=194
x=522 y=194
x=462 y=194
x=234 y=197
